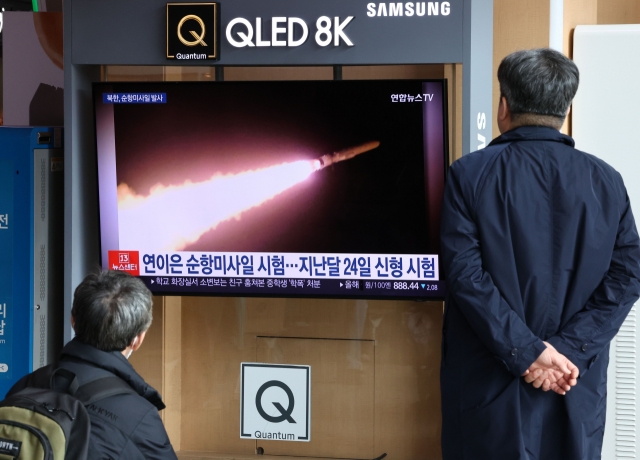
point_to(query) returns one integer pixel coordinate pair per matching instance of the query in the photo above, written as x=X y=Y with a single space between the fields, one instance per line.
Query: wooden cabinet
x=374 y=379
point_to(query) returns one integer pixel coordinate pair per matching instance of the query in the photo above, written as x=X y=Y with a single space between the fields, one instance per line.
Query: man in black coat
x=111 y=313
x=542 y=262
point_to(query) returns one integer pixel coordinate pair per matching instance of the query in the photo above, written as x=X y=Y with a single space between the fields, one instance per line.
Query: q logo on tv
x=192 y=31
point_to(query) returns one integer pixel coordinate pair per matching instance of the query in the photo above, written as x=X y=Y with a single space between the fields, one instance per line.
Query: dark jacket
x=538 y=243
x=126 y=426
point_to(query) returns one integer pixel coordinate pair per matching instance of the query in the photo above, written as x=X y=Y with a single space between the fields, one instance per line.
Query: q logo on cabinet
x=275 y=402
x=192 y=31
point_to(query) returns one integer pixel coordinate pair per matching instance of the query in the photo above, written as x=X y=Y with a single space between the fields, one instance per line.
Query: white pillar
x=605 y=118
x=556 y=24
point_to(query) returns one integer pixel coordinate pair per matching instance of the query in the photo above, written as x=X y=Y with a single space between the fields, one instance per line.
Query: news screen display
x=307 y=189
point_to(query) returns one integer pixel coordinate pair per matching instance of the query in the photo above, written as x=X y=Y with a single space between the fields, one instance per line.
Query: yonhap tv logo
x=192 y=31
x=275 y=402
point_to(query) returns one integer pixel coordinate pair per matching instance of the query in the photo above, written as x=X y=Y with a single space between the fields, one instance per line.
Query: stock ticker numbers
x=295 y=287
x=402 y=285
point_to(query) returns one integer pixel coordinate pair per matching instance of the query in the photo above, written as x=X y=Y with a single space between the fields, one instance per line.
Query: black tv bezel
x=98 y=87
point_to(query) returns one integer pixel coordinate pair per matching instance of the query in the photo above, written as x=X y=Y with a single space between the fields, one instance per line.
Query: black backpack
x=48 y=420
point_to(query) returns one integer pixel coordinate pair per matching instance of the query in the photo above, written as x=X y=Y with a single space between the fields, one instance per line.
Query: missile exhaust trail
x=179 y=215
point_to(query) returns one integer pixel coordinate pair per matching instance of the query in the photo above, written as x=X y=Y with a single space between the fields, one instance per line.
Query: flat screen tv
x=305 y=188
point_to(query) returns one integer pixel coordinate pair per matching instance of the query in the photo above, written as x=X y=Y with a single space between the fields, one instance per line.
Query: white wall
x=606 y=123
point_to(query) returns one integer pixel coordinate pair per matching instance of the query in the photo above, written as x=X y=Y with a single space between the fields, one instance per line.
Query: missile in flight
x=199 y=207
x=342 y=155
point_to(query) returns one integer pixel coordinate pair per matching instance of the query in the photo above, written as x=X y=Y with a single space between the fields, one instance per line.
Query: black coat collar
x=114 y=362
x=534 y=133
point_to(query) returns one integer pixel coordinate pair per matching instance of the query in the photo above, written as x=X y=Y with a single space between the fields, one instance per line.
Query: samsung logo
x=409 y=9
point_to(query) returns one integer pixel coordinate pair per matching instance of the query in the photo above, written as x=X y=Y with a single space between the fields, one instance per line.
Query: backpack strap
x=65 y=381
x=102 y=388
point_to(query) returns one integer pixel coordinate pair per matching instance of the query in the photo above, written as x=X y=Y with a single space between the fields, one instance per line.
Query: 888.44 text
x=403 y=285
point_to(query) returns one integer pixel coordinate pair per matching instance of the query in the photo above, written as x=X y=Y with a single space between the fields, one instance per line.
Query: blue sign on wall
x=16 y=252
x=7 y=171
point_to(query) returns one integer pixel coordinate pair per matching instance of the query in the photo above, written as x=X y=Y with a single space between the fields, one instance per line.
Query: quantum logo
x=198 y=38
x=275 y=402
x=285 y=414
x=192 y=31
